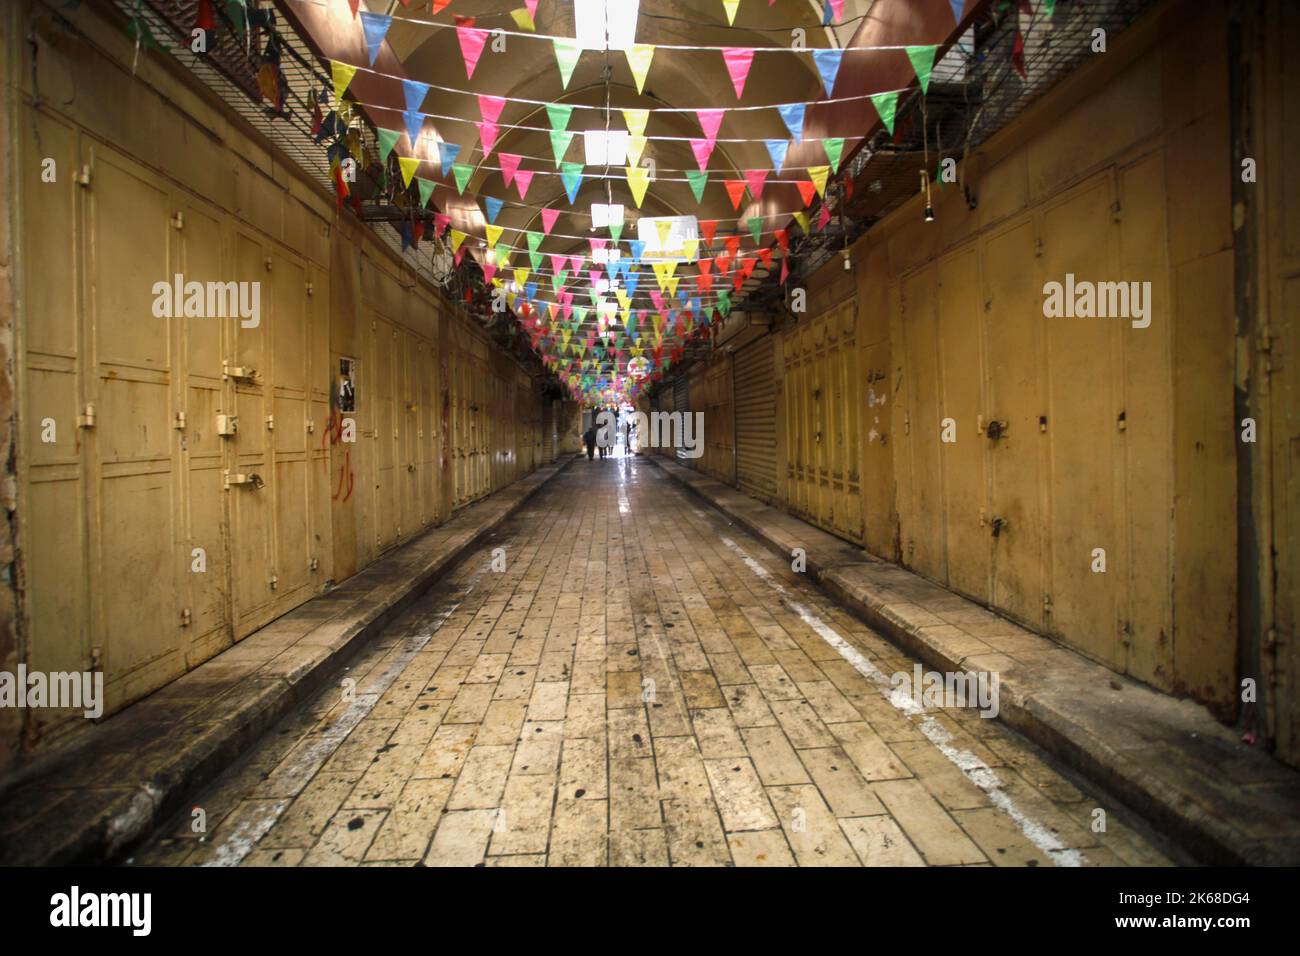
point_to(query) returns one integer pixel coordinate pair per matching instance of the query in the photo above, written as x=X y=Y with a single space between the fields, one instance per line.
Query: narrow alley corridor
x=642 y=684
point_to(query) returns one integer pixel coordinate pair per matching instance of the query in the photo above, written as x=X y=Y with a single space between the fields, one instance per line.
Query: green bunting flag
x=560 y=140
x=922 y=58
x=462 y=172
x=756 y=228
x=387 y=140
x=886 y=104
x=566 y=55
x=426 y=189
x=834 y=150
x=698 y=179
x=559 y=115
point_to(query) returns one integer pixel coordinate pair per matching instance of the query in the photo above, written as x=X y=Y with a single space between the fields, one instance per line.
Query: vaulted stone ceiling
x=519 y=66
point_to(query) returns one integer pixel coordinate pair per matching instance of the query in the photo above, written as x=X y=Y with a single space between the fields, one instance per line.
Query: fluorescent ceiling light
x=606 y=216
x=605 y=24
x=605 y=148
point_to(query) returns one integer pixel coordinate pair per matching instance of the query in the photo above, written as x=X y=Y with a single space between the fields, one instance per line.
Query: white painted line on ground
x=976 y=770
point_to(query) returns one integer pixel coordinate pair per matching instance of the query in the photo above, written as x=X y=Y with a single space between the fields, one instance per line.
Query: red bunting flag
x=736 y=190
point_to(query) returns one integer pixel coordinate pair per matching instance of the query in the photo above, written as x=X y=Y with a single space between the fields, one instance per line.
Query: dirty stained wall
x=1077 y=443
x=148 y=540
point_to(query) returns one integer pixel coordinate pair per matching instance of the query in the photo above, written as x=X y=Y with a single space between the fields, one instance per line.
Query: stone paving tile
x=632 y=691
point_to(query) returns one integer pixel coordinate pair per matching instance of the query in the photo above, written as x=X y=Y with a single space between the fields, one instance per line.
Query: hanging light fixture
x=925 y=188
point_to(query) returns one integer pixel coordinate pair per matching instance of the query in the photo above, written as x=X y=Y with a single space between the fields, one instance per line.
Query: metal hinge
x=87 y=417
x=178 y=220
x=314 y=564
x=1047 y=604
x=311 y=289
x=270 y=423
x=83 y=177
x=1264 y=338
x=179 y=421
x=274 y=581
x=186 y=617
x=1117 y=210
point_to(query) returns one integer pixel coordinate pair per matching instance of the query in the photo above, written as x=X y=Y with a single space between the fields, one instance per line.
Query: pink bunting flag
x=472 y=40
x=596 y=246
x=532 y=8
x=509 y=165
x=487 y=134
x=460 y=254
x=558 y=262
x=837 y=8
x=489 y=270
x=703 y=149
x=576 y=262
x=440 y=224
x=657 y=298
x=548 y=219
x=823 y=217
x=489 y=107
x=756 y=179
x=523 y=179
x=710 y=121
x=738 y=60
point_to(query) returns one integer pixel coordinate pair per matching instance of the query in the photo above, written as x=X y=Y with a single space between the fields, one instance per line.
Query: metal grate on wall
x=229 y=69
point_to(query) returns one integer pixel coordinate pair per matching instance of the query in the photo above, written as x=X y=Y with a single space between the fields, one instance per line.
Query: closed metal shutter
x=682 y=403
x=548 y=431
x=755 y=418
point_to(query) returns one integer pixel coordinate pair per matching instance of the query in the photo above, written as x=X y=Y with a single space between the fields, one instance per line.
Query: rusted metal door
x=970 y=537
x=1013 y=330
x=755 y=416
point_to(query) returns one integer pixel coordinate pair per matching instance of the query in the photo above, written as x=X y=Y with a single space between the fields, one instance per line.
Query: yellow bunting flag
x=342 y=77
x=663 y=227
x=731 y=6
x=624 y=300
x=638 y=179
x=457 y=237
x=521 y=277
x=493 y=234
x=636 y=120
x=818 y=175
x=672 y=283
x=692 y=248
x=524 y=20
x=635 y=147
x=802 y=219
x=409 y=165
x=639 y=56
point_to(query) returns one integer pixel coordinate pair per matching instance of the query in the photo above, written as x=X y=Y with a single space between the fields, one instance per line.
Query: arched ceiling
x=422 y=46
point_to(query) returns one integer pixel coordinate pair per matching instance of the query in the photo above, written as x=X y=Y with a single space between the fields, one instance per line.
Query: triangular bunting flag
x=738 y=61
x=426 y=189
x=736 y=190
x=702 y=149
x=638 y=178
x=636 y=120
x=828 y=67
x=493 y=205
x=566 y=56
x=792 y=115
x=523 y=179
x=710 y=121
x=639 y=56
x=571 y=174
x=414 y=93
x=462 y=172
x=834 y=150
x=489 y=107
x=806 y=191
x=560 y=140
x=342 y=74
x=548 y=220
x=886 y=104
x=408 y=164
x=524 y=20
x=374 y=26
x=731 y=6
x=387 y=140
x=922 y=58
x=447 y=153
x=777 y=148
x=818 y=175
x=472 y=40
x=756 y=178
x=493 y=234
x=509 y=165
x=755 y=227
x=559 y=114
x=487 y=135
x=698 y=179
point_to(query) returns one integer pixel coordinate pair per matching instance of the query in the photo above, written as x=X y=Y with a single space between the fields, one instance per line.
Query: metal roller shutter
x=755 y=419
x=682 y=403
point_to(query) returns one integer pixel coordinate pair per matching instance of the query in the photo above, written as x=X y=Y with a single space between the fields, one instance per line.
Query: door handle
x=997 y=524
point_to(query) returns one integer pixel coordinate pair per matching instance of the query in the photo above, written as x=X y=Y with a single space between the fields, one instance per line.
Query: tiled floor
x=642 y=684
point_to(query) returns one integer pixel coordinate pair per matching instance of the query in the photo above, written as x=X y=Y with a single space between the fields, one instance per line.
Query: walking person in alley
x=589 y=437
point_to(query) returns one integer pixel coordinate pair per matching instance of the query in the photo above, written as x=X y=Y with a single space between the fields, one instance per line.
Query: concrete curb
x=94 y=798
x=1167 y=759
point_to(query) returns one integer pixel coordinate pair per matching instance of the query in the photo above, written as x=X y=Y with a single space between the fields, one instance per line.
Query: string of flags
x=635 y=306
